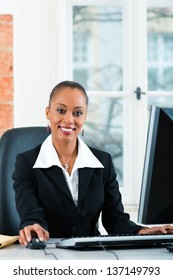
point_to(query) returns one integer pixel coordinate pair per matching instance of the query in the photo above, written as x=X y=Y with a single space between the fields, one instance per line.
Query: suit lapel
x=85 y=175
x=58 y=178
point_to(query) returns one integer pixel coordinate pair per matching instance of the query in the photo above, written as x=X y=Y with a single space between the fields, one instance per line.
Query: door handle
x=138 y=93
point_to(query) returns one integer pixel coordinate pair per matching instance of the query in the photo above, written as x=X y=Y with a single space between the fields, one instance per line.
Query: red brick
x=6 y=117
x=6 y=63
x=6 y=73
x=6 y=36
x=6 y=89
x=6 y=18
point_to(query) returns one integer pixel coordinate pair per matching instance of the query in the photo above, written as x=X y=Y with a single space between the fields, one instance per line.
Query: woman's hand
x=156 y=230
x=26 y=234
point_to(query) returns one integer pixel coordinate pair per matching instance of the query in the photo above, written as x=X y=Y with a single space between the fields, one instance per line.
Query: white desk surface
x=17 y=251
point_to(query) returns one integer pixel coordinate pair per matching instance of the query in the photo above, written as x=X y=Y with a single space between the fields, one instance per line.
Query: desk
x=17 y=251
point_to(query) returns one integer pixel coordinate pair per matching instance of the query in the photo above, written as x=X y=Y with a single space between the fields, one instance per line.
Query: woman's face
x=67 y=113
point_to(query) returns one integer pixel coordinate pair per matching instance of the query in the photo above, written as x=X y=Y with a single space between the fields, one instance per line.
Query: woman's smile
x=66 y=130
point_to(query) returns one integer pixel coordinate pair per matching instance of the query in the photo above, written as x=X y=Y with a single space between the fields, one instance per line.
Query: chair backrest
x=12 y=142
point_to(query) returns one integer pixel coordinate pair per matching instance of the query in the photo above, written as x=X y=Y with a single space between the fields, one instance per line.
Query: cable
x=52 y=254
x=109 y=251
x=102 y=246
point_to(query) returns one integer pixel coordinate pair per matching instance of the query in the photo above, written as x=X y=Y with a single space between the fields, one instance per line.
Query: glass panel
x=160 y=49
x=97 y=47
x=103 y=128
x=161 y=101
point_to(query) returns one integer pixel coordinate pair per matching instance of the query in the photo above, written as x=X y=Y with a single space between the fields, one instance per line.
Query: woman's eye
x=61 y=111
x=78 y=113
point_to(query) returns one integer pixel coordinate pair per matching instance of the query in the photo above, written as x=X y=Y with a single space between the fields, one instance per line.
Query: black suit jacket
x=43 y=197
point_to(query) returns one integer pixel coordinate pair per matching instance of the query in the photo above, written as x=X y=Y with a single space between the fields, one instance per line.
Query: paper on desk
x=6 y=240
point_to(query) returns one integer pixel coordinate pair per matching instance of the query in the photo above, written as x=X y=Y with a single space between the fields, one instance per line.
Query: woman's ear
x=47 y=112
x=47 y=116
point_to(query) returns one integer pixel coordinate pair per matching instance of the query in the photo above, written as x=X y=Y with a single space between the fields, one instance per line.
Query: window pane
x=161 y=101
x=160 y=49
x=103 y=128
x=97 y=47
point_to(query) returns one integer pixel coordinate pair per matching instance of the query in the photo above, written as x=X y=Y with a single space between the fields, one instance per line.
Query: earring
x=83 y=132
x=48 y=127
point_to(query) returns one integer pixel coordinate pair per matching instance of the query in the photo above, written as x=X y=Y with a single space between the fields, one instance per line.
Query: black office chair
x=12 y=142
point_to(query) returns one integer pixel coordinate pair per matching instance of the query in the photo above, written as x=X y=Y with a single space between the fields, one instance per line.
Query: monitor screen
x=156 y=198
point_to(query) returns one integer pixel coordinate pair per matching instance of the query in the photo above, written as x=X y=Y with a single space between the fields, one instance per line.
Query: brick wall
x=6 y=73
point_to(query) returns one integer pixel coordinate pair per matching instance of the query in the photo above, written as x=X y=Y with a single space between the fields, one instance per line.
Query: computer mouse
x=35 y=243
x=170 y=248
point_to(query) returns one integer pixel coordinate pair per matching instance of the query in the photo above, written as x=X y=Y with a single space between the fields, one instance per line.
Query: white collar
x=47 y=156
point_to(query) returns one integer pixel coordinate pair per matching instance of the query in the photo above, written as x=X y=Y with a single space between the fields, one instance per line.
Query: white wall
x=40 y=55
x=33 y=58
x=6 y=7
x=32 y=61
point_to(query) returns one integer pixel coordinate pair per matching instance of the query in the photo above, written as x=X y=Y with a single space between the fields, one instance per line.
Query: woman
x=63 y=185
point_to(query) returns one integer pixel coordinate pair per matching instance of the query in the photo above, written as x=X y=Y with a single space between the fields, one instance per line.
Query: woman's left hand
x=156 y=230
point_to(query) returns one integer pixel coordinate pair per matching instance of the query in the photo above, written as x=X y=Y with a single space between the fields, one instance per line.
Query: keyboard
x=116 y=240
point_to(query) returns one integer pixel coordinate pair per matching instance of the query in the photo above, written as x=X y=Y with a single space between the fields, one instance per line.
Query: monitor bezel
x=156 y=118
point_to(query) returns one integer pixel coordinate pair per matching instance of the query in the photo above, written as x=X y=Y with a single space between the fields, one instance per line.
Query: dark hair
x=66 y=84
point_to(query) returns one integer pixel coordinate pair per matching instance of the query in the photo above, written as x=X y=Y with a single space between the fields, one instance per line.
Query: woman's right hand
x=26 y=234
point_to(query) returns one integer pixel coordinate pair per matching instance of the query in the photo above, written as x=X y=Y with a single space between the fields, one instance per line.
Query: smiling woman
x=62 y=186
x=67 y=113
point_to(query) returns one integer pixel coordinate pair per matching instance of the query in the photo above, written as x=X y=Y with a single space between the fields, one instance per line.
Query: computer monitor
x=156 y=198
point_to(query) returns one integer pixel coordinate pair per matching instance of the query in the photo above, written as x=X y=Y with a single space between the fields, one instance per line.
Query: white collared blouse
x=48 y=157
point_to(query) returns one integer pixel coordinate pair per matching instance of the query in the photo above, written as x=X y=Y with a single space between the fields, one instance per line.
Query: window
x=118 y=46
x=160 y=48
x=97 y=65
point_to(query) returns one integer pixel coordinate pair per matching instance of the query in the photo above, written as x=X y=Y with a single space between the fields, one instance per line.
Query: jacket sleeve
x=27 y=203
x=114 y=219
